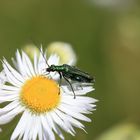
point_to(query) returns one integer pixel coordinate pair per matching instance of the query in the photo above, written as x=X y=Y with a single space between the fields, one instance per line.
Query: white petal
x=14 y=63
x=71 y=120
x=20 y=126
x=40 y=133
x=76 y=123
x=8 y=98
x=55 y=75
x=49 y=133
x=9 y=107
x=59 y=122
x=35 y=63
x=54 y=126
x=53 y=60
x=79 y=109
x=28 y=127
x=10 y=88
x=82 y=91
x=14 y=72
x=25 y=66
x=3 y=77
x=29 y=64
x=86 y=99
x=81 y=99
x=7 y=92
x=36 y=128
x=10 y=115
x=74 y=114
x=41 y=64
x=32 y=127
x=66 y=122
x=21 y=67
x=10 y=77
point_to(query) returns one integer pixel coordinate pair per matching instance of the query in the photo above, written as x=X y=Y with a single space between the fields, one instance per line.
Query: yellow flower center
x=40 y=94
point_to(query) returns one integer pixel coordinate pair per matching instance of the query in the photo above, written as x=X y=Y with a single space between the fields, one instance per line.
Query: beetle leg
x=60 y=79
x=70 y=86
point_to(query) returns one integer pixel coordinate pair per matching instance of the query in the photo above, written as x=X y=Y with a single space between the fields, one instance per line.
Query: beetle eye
x=52 y=66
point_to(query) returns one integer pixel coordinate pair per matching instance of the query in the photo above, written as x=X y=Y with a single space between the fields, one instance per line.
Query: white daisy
x=46 y=108
x=65 y=52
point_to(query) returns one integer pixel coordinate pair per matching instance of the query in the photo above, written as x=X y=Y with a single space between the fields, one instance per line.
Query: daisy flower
x=65 y=52
x=46 y=108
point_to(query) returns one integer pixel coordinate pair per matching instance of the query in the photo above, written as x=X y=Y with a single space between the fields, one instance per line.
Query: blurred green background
x=106 y=37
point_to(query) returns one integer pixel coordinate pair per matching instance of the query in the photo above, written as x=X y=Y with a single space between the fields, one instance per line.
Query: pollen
x=40 y=94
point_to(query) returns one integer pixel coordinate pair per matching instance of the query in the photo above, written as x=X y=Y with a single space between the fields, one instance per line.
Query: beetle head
x=51 y=68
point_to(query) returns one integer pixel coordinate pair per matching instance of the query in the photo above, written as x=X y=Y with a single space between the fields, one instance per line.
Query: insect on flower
x=45 y=109
x=69 y=73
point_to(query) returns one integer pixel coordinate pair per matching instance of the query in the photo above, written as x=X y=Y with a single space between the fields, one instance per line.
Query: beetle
x=70 y=73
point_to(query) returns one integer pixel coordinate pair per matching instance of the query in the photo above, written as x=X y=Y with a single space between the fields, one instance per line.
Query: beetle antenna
x=41 y=50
